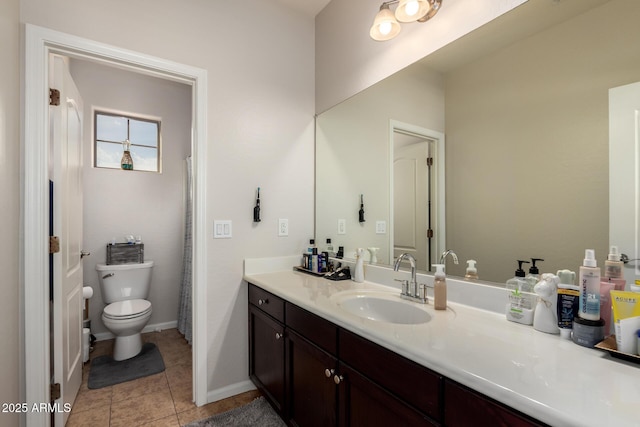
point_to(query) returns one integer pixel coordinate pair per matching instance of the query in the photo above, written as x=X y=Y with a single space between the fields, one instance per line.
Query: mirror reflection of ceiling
x=523 y=104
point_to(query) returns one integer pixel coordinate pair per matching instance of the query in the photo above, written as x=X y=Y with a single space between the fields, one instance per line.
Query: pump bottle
x=520 y=306
x=471 y=272
x=613 y=266
x=534 y=274
x=589 y=278
x=440 y=288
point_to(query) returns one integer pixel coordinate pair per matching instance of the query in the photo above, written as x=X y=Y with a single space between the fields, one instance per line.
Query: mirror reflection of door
x=413 y=197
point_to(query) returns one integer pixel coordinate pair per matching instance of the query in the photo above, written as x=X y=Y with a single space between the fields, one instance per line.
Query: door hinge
x=54 y=97
x=55 y=391
x=54 y=244
x=429 y=161
x=430 y=233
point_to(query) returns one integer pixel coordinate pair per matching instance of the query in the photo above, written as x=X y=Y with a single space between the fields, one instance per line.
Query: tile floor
x=158 y=400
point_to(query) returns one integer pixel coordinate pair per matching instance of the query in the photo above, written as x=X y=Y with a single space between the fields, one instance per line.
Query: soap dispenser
x=472 y=271
x=520 y=304
x=439 y=288
x=359 y=270
x=534 y=274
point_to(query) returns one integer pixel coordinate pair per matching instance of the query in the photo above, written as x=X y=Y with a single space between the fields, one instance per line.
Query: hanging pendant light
x=412 y=10
x=385 y=26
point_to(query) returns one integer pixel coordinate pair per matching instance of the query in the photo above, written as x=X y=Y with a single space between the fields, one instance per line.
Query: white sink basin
x=382 y=307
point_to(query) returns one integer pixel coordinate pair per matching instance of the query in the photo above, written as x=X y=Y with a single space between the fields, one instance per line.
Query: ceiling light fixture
x=386 y=24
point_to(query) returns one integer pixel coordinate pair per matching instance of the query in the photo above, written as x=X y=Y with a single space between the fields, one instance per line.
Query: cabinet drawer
x=464 y=407
x=267 y=302
x=321 y=332
x=411 y=382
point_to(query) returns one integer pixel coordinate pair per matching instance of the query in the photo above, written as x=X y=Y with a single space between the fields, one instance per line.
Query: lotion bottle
x=589 y=282
x=520 y=306
x=534 y=274
x=440 y=288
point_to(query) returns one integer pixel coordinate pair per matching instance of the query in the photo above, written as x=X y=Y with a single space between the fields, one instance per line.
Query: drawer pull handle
x=278 y=335
x=338 y=379
x=328 y=372
x=263 y=301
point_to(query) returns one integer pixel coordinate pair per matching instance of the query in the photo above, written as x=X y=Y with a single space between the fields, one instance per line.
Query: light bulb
x=412 y=8
x=384 y=28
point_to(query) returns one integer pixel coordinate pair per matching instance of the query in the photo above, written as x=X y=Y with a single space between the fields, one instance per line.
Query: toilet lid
x=129 y=308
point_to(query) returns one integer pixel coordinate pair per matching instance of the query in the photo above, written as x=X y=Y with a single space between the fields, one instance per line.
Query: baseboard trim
x=156 y=327
x=230 y=390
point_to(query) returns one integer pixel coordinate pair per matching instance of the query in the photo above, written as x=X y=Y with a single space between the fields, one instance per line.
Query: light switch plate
x=381 y=227
x=342 y=226
x=222 y=229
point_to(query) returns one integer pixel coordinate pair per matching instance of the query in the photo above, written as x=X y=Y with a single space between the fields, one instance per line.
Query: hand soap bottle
x=359 y=269
x=520 y=306
x=472 y=271
x=440 y=288
x=534 y=274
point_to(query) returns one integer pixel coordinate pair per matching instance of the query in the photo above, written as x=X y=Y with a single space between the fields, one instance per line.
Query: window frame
x=128 y=116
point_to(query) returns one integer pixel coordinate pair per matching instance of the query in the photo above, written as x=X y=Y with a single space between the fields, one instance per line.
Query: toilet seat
x=128 y=309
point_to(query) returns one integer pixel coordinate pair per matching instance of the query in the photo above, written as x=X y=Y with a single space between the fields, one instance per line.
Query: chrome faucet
x=411 y=290
x=448 y=252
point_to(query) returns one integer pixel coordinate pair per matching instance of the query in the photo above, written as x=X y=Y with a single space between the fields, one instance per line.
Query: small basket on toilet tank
x=125 y=253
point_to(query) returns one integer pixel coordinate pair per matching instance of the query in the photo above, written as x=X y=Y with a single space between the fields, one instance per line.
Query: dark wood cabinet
x=318 y=374
x=267 y=356
x=464 y=407
x=312 y=397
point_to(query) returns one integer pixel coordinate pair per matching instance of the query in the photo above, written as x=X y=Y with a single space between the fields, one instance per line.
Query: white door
x=410 y=198
x=624 y=173
x=66 y=161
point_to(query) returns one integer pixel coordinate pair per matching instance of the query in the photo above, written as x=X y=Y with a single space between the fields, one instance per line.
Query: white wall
x=10 y=353
x=116 y=202
x=348 y=60
x=260 y=126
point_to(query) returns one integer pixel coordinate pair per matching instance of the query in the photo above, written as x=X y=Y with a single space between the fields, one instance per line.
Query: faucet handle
x=405 y=285
x=422 y=292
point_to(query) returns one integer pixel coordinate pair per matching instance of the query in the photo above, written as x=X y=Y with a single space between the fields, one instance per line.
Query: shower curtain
x=184 y=313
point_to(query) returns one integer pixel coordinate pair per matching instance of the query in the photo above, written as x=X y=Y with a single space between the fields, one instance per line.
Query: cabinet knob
x=278 y=335
x=328 y=372
x=338 y=379
x=263 y=301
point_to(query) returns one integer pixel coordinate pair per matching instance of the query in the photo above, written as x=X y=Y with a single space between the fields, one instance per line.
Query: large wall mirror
x=522 y=107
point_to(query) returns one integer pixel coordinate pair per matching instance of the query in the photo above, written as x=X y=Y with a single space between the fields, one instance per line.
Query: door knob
x=84 y=254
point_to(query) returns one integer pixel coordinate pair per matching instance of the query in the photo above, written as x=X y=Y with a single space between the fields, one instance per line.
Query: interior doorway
x=39 y=44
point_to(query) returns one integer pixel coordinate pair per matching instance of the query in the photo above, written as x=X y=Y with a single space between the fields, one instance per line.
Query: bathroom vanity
x=320 y=363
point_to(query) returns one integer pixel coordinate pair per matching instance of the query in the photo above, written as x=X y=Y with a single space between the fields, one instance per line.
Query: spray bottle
x=589 y=278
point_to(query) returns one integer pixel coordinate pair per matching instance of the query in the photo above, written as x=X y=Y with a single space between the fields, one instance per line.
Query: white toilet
x=125 y=289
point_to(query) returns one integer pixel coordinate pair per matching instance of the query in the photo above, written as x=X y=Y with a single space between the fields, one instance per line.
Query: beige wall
x=260 y=130
x=527 y=143
x=10 y=206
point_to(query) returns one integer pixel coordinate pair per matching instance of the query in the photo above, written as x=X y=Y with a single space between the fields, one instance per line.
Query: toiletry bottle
x=359 y=273
x=312 y=244
x=330 y=247
x=568 y=297
x=589 y=282
x=534 y=274
x=520 y=307
x=439 y=288
x=314 y=260
x=472 y=271
x=613 y=265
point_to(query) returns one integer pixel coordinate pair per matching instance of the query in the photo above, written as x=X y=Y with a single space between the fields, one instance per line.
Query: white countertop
x=542 y=375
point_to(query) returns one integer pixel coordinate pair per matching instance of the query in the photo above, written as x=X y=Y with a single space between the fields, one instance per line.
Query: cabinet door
x=312 y=391
x=266 y=355
x=365 y=404
x=464 y=407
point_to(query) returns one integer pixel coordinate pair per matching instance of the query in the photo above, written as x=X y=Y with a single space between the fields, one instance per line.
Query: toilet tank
x=124 y=281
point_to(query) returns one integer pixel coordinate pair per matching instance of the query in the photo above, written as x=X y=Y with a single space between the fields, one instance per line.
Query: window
x=111 y=130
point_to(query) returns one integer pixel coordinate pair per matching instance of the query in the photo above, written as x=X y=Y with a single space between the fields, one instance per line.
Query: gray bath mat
x=105 y=371
x=256 y=413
